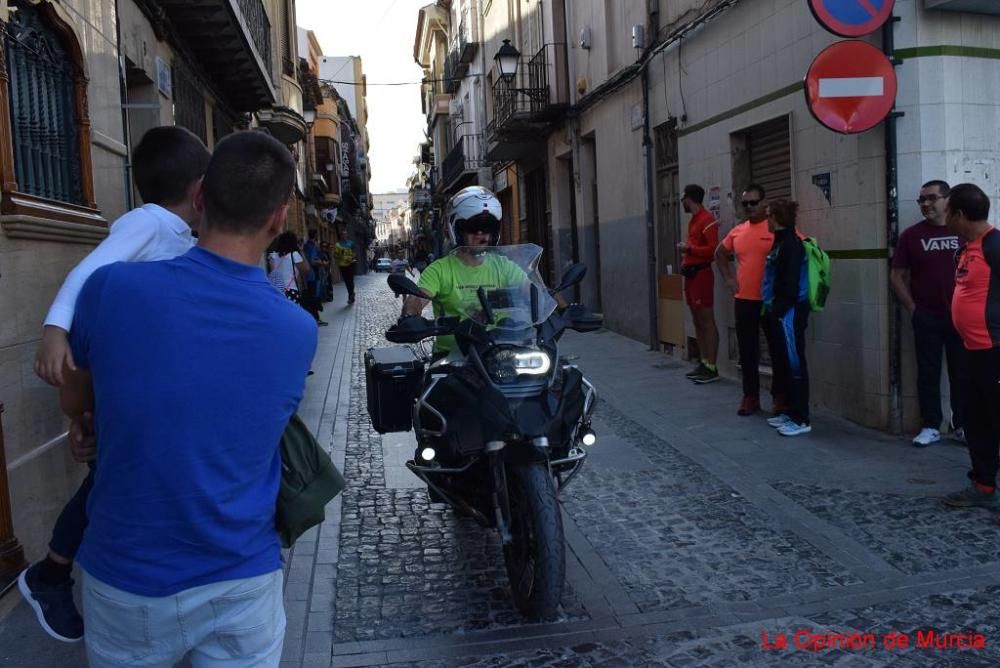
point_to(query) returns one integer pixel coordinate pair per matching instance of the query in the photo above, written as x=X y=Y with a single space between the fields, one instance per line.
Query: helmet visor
x=482 y=224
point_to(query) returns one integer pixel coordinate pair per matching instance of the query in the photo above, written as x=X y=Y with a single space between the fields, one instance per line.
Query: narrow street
x=821 y=170
x=692 y=533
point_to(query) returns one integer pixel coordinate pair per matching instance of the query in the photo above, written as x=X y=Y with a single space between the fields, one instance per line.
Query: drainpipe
x=573 y=123
x=647 y=156
x=123 y=88
x=892 y=235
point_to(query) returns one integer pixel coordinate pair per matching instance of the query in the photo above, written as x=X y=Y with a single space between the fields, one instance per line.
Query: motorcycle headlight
x=507 y=364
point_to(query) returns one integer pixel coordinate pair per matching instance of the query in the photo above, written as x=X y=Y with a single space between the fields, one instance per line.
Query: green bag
x=309 y=481
x=818 y=265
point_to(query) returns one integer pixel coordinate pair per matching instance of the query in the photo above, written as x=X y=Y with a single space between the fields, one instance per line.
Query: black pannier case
x=393 y=377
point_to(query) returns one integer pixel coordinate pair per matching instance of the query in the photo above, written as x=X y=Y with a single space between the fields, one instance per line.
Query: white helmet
x=474 y=209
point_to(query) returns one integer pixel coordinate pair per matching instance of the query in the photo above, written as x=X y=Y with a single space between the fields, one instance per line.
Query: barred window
x=189 y=102
x=42 y=91
x=222 y=124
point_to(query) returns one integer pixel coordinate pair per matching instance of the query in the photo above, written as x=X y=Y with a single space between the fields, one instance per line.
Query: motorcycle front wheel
x=536 y=555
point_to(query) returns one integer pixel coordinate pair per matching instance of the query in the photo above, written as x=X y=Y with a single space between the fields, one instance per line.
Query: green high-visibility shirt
x=454 y=285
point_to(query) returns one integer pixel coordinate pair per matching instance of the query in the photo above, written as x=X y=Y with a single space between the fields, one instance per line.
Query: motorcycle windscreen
x=513 y=290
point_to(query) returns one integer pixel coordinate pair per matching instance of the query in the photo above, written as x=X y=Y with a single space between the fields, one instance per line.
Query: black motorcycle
x=500 y=420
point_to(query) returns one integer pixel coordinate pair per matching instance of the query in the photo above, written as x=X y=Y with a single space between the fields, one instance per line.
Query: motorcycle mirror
x=573 y=275
x=401 y=285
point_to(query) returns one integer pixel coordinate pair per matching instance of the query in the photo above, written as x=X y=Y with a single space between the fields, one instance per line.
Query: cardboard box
x=670 y=310
x=670 y=286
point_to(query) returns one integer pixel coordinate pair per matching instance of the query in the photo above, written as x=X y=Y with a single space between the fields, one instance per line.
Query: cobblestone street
x=692 y=533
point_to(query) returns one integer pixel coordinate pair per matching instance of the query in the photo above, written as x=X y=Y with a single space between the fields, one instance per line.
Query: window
x=46 y=173
x=41 y=89
x=189 y=103
x=222 y=124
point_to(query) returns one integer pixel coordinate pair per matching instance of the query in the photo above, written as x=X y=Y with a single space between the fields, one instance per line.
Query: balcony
x=284 y=123
x=326 y=188
x=531 y=102
x=440 y=104
x=231 y=40
x=453 y=73
x=464 y=158
x=464 y=42
x=461 y=53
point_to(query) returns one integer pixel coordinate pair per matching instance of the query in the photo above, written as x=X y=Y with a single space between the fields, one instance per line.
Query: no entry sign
x=852 y=18
x=850 y=87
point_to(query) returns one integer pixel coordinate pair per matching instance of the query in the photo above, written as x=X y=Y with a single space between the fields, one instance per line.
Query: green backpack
x=309 y=481
x=818 y=264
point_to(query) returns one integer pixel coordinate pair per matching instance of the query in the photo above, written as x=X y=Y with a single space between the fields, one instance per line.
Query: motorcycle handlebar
x=415 y=329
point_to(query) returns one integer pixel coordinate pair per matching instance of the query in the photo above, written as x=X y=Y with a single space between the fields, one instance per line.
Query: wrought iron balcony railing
x=466 y=156
x=452 y=74
x=463 y=40
x=259 y=27
x=535 y=97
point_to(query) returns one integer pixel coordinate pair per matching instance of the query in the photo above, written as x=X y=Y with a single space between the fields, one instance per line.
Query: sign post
x=851 y=87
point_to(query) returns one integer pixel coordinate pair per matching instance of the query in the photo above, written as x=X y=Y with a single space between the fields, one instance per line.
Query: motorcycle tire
x=536 y=556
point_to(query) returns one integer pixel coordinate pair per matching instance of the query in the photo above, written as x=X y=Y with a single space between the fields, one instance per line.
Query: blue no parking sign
x=852 y=18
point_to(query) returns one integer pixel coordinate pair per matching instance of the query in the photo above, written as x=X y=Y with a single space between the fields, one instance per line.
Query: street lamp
x=506 y=59
x=309 y=115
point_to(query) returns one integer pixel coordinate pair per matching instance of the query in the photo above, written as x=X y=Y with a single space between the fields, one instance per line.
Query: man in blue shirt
x=192 y=367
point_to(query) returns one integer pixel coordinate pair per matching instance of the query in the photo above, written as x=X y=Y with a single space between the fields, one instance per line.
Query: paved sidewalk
x=691 y=533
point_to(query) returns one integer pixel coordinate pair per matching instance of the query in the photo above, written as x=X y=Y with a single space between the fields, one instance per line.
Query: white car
x=383 y=264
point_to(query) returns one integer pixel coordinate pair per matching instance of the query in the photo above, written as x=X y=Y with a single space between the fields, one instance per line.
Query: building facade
x=615 y=106
x=82 y=81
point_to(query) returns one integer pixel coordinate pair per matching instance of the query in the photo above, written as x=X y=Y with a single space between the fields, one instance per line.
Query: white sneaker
x=959 y=435
x=926 y=437
x=792 y=428
x=778 y=421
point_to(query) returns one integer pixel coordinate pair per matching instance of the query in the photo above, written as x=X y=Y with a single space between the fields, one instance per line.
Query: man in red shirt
x=699 y=281
x=923 y=277
x=975 y=310
x=750 y=242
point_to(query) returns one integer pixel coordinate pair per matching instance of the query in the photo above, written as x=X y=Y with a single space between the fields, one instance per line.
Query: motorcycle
x=502 y=422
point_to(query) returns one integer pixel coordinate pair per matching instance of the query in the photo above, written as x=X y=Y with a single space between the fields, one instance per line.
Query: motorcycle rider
x=453 y=281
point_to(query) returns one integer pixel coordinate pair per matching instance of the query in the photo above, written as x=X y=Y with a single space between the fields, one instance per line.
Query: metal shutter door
x=771 y=158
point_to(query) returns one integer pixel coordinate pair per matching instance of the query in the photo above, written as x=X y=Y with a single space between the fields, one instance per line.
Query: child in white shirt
x=167 y=165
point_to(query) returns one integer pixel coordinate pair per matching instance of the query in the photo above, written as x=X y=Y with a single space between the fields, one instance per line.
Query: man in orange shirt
x=750 y=242
x=975 y=312
x=699 y=281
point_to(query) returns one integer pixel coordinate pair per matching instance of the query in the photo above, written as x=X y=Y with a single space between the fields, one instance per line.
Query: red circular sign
x=852 y=18
x=851 y=87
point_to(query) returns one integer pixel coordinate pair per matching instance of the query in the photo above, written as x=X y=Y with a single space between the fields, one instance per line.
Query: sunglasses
x=750 y=202
x=930 y=199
